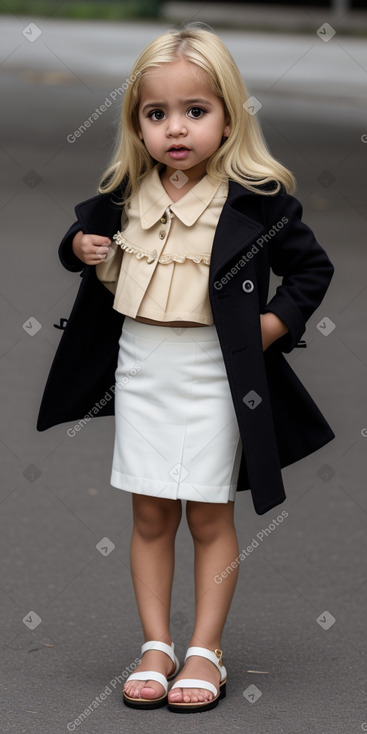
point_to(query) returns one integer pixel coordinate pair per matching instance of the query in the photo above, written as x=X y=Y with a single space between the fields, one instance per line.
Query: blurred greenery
x=84 y=9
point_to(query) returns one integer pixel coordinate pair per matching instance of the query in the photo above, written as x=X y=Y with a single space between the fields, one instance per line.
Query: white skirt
x=176 y=432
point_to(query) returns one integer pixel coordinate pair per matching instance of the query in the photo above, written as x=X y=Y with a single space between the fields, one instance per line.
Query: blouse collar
x=154 y=200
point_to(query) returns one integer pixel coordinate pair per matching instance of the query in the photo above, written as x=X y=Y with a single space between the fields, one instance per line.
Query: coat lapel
x=234 y=231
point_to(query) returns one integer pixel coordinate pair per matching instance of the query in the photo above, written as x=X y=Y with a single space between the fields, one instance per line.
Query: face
x=182 y=122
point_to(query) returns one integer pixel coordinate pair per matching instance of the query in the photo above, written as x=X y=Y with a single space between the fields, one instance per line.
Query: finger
x=97 y=246
x=94 y=260
x=100 y=241
x=102 y=252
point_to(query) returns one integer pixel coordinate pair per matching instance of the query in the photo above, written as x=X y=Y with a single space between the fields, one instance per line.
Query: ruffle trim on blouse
x=196 y=257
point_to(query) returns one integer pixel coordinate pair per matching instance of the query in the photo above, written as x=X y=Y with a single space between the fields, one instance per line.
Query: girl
x=205 y=403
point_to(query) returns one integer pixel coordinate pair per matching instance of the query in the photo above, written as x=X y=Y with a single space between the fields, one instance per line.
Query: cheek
x=148 y=135
x=143 y=133
x=146 y=128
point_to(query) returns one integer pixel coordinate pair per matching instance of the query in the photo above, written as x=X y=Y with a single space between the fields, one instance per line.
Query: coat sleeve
x=68 y=258
x=96 y=215
x=304 y=266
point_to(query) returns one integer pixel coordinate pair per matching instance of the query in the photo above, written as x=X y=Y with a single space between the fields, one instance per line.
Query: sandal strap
x=209 y=655
x=150 y=675
x=195 y=683
x=161 y=646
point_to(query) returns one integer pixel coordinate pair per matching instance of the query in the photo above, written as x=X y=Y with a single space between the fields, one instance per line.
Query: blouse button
x=162 y=234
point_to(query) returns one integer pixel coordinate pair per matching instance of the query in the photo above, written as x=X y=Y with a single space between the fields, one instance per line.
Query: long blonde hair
x=242 y=157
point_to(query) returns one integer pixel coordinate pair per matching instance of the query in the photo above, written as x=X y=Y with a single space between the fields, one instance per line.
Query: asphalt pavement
x=295 y=643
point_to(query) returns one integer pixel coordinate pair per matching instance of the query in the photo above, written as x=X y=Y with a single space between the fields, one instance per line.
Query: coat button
x=164 y=219
x=162 y=234
x=248 y=286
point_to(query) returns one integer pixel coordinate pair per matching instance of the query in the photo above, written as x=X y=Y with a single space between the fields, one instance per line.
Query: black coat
x=278 y=421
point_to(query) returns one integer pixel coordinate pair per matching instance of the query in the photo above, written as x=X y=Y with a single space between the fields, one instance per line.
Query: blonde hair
x=242 y=157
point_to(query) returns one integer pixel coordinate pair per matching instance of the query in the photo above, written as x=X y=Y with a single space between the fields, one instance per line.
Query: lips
x=178 y=152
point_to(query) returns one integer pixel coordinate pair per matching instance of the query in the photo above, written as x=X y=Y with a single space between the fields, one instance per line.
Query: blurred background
x=246 y=14
x=60 y=61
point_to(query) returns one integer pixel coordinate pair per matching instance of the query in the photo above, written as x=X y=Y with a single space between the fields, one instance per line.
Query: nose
x=176 y=125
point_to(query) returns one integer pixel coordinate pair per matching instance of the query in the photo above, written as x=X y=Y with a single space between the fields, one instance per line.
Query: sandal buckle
x=219 y=655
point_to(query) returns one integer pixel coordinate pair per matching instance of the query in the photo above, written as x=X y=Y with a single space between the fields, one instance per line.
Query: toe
x=199 y=695
x=152 y=690
x=133 y=690
x=175 y=695
x=146 y=689
x=189 y=695
x=136 y=692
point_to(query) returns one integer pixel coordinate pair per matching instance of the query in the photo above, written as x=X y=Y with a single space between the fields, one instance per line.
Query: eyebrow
x=181 y=101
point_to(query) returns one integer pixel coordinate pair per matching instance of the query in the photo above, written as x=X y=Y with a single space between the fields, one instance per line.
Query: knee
x=154 y=518
x=204 y=522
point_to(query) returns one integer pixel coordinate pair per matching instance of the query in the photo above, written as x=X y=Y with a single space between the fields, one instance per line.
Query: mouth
x=178 y=152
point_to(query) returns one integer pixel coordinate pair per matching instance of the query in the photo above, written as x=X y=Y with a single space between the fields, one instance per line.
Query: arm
x=77 y=248
x=306 y=271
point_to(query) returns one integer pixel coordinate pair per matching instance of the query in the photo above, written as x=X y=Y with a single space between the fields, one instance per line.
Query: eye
x=196 y=112
x=156 y=115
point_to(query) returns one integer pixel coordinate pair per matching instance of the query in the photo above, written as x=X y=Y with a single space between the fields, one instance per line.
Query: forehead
x=181 y=75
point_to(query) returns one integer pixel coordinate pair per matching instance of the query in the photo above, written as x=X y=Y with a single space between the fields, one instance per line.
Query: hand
x=272 y=328
x=91 y=249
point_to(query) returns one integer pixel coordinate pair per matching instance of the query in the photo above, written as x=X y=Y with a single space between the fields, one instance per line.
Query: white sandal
x=216 y=658
x=152 y=703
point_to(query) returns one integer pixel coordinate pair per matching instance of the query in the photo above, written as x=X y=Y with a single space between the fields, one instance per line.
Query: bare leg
x=216 y=546
x=152 y=565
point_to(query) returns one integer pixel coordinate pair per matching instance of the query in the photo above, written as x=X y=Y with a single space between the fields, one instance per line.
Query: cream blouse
x=164 y=273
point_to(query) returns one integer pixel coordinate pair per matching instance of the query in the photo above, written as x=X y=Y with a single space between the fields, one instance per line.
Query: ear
x=227 y=129
x=140 y=135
